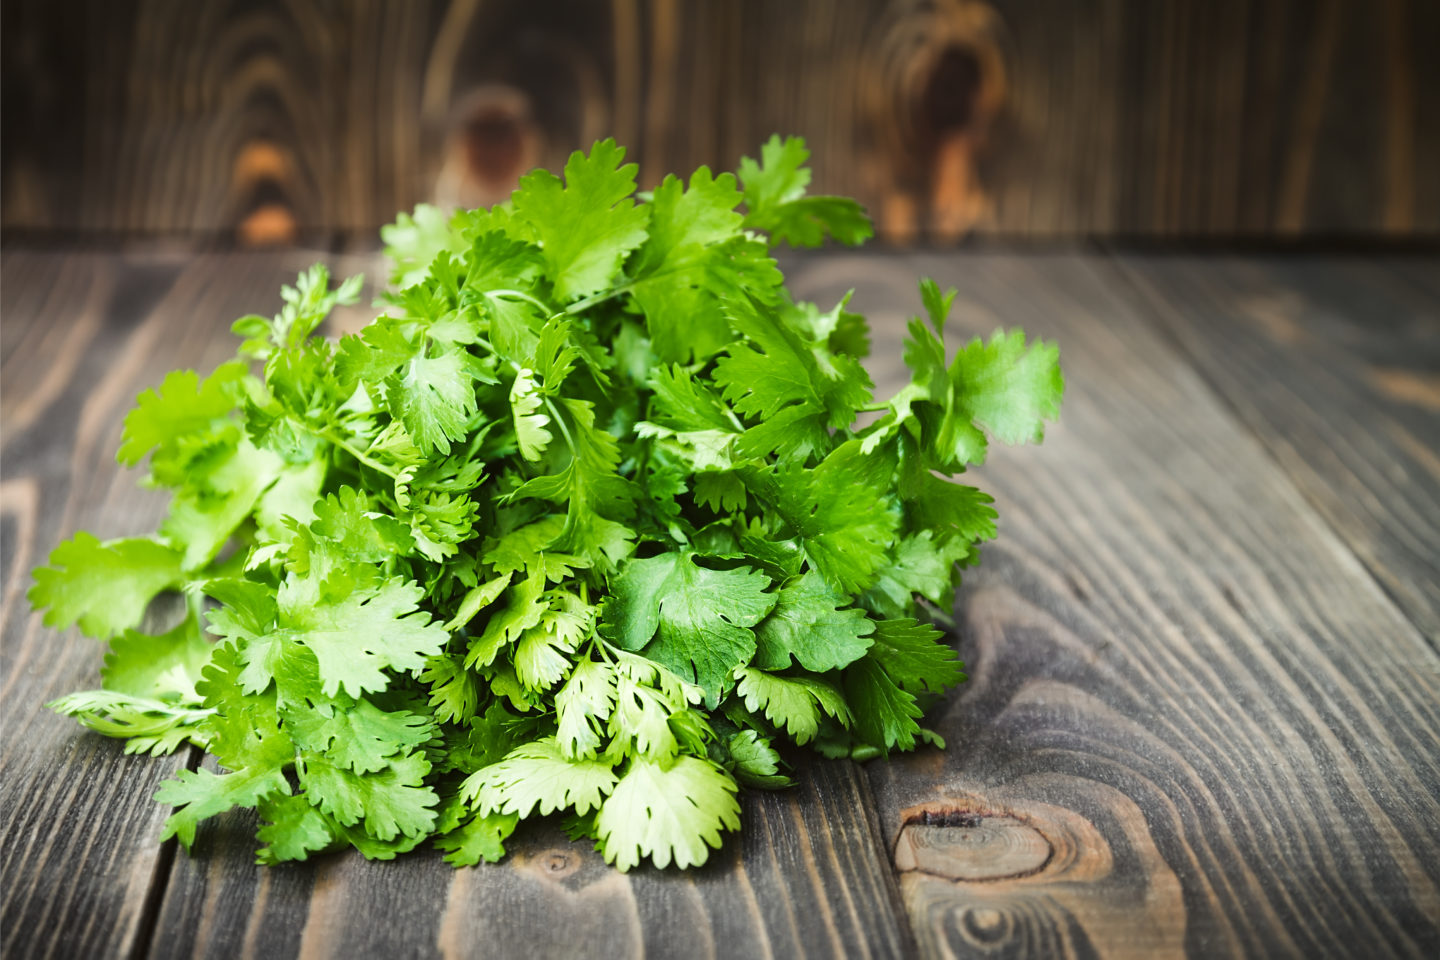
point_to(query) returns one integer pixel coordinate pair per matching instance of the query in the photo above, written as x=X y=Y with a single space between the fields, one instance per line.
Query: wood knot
x=986 y=926
x=269 y=225
x=493 y=140
x=970 y=845
x=262 y=175
x=558 y=864
x=935 y=87
x=947 y=818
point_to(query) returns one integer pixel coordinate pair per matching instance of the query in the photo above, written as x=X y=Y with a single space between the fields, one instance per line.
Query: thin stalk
x=364 y=458
x=560 y=422
x=519 y=295
x=601 y=297
x=483 y=342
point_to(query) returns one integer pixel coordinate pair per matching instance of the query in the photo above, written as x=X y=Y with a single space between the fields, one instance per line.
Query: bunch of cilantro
x=583 y=523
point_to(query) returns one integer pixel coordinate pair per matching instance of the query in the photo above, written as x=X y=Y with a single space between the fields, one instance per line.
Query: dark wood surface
x=1180 y=676
x=271 y=121
x=1335 y=365
x=1203 y=718
x=808 y=876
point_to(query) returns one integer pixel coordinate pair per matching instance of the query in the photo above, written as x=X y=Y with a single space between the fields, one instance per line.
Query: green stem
x=482 y=342
x=599 y=646
x=873 y=408
x=519 y=295
x=560 y=422
x=591 y=301
x=364 y=458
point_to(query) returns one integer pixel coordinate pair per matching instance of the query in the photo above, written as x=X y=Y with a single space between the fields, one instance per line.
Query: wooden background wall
x=302 y=120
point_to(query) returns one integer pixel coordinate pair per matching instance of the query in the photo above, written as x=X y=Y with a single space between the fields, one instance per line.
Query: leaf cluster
x=587 y=522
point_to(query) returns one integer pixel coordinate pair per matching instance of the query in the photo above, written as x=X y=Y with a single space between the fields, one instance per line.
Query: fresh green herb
x=584 y=523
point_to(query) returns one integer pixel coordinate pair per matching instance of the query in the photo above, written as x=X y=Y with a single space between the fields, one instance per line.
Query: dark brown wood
x=277 y=121
x=1181 y=676
x=78 y=831
x=807 y=877
x=83 y=334
x=1196 y=723
x=1335 y=364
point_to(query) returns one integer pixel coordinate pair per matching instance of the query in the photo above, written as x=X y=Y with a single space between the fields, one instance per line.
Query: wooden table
x=1204 y=713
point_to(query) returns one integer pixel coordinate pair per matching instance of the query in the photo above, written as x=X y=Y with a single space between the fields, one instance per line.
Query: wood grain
x=1197 y=723
x=285 y=120
x=83 y=334
x=78 y=832
x=1335 y=365
x=807 y=877
x=1181 y=676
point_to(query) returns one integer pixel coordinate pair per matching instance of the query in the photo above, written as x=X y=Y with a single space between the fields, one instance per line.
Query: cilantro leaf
x=807 y=625
x=104 y=587
x=346 y=641
x=884 y=714
x=479 y=838
x=1008 y=387
x=294 y=831
x=842 y=521
x=681 y=268
x=199 y=794
x=355 y=639
x=670 y=814
x=755 y=761
x=147 y=724
x=587 y=225
x=388 y=803
x=920 y=565
x=795 y=703
x=356 y=734
x=699 y=618
x=530 y=430
x=582 y=705
x=363 y=533
x=180 y=407
x=157 y=666
x=776 y=201
x=414 y=240
x=222 y=493
x=538 y=776
x=914 y=658
x=434 y=397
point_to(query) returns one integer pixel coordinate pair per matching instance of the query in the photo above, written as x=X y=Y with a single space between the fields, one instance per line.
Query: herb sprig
x=584 y=523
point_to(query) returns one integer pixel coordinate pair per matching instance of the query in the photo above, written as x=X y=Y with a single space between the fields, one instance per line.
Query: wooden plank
x=77 y=842
x=83 y=335
x=806 y=877
x=1335 y=364
x=266 y=121
x=272 y=122
x=1182 y=680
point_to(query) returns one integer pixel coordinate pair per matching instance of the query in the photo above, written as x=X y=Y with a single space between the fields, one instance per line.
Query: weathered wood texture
x=281 y=120
x=807 y=877
x=80 y=340
x=82 y=335
x=1182 y=678
x=72 y=806
x=1335 y=365
x=1197 y=725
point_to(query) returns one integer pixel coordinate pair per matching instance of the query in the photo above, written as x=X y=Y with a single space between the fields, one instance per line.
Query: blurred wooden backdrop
x=312 y=120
